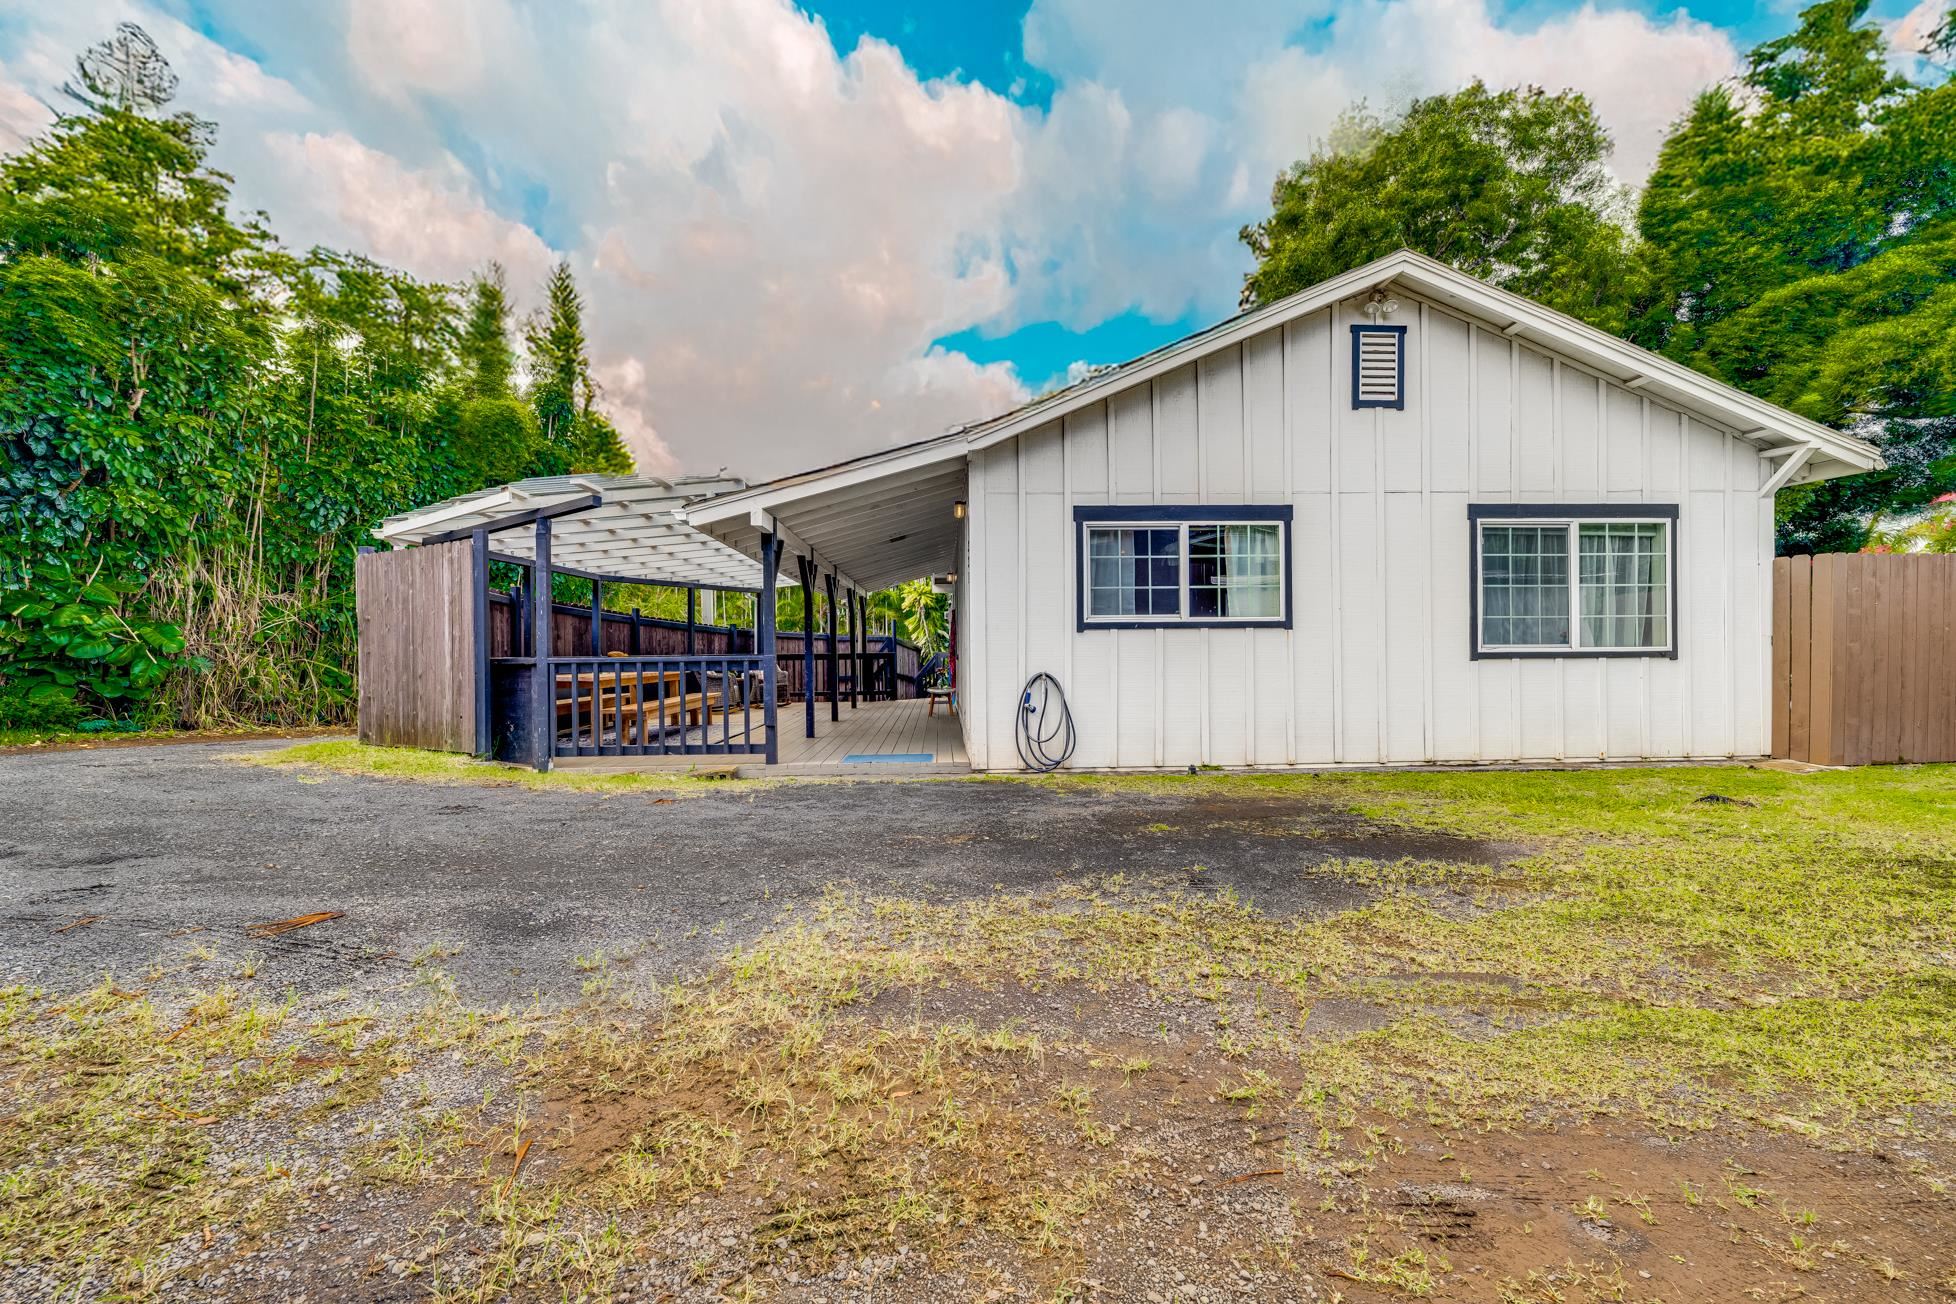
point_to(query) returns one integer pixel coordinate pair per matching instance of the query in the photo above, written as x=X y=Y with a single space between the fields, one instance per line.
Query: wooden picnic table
x=617 y=694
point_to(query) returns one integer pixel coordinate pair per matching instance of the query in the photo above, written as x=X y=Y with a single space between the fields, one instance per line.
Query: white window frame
x=1182 y=615
x=1575 y=646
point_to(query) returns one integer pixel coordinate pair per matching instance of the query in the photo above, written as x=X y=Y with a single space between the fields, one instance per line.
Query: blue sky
x=804 y=233
x=983 y=42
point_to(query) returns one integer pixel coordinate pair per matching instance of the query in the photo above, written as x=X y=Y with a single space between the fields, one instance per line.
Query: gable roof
x=1754 y=419
x=1806 y=449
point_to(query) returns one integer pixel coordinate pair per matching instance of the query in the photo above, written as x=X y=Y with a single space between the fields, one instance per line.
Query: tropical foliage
x=1509 y=186
x=198 y=425
x=1796 y=239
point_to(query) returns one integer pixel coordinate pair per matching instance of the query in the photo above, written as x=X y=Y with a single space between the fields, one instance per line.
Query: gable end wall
x=1376 y=667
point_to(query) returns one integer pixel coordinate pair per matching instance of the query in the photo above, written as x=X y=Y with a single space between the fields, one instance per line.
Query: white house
x=1399 y=518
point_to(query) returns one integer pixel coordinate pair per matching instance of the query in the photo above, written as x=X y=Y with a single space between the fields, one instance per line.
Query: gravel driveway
x=169 y=848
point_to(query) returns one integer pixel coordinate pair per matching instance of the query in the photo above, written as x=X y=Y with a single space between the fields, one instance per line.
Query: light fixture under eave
x=898 y=538
x=1380 y=305
x=957 y=509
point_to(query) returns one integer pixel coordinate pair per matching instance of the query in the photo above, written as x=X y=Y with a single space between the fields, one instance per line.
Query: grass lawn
x=1691 y=1036
x=349 y=756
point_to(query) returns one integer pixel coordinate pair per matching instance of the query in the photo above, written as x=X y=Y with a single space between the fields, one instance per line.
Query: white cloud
x=770 y=234
x=430 y=221
x=427 y=47
x=22 y=116
x=1172 y=120
x=1909 y=35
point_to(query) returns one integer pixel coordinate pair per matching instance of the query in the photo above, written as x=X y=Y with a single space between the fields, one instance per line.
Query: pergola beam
x=766 y=523
x=532 y=516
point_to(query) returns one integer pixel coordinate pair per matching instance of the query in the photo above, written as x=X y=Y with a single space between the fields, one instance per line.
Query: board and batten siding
x=1375 y=668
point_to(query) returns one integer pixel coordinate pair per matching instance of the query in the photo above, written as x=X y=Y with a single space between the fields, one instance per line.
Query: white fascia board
x=1650 y=372
x=944 y=448
x=1179 y=355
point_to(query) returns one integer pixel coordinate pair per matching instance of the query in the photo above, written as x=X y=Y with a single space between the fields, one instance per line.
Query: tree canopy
x=1507 y=185
x=197 y=425
x=1797 y=238
x=1801 y=231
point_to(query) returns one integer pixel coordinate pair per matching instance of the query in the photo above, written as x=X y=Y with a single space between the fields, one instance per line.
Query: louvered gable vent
x=1378 y=366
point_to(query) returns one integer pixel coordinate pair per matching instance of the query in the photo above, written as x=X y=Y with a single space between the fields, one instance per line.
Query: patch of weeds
x=1409 y=1272
x=347 y=756
x=110 y=1156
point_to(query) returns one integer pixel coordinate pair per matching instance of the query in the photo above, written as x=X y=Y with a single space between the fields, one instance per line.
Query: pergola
x=623 y=527
x=605 y=530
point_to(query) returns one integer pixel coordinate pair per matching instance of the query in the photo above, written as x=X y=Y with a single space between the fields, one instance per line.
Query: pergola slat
x=625 y=528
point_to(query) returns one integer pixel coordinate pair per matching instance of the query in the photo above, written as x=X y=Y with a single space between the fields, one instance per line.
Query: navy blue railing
x=659 y=706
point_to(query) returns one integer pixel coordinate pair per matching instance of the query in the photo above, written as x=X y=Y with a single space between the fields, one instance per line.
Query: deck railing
x=659 y=706
x=892 y=670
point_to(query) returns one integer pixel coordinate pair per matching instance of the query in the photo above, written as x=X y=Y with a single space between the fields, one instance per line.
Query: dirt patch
x=1183 y=1174
x=1314 y=832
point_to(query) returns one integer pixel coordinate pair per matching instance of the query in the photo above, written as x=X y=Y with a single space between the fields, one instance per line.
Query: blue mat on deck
x=903 y=758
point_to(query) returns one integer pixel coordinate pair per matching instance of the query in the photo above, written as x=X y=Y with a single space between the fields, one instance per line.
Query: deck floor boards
x=904 y=727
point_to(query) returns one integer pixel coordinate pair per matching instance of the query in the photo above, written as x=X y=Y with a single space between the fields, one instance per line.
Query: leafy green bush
x=68 y=645
x=39 y=707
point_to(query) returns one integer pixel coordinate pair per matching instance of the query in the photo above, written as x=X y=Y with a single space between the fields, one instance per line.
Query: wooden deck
x=889 y=729
x=901 y=728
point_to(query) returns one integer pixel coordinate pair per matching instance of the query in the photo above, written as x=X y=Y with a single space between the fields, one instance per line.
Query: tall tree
x=560 y=375
x=125 y=72
x=488 y=357
x=197 y=426
x=1509 y=186
x=1802 y=233
x=561 y=388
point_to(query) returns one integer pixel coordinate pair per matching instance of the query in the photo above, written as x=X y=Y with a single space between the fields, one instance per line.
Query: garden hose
x=1043 y=720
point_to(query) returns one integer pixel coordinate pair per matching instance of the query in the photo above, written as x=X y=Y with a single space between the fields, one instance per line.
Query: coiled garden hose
x=1043 y=720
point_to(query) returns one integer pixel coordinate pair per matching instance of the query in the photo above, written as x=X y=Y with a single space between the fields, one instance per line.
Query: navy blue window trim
x=1398 y=400
x=1577 y=512
x=1278 y=514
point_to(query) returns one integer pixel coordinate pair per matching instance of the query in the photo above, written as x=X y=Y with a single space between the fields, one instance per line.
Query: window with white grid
x=1601 y=586
x=1153 y=566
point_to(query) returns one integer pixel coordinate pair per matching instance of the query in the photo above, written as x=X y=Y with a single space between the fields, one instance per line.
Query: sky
x=805 y=233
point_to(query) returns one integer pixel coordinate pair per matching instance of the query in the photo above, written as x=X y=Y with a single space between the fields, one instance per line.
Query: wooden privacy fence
x=1863 y=671
x=418 y=632
x=891 y=669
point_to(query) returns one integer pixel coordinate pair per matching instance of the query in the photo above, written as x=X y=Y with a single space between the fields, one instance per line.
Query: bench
x=687 y=711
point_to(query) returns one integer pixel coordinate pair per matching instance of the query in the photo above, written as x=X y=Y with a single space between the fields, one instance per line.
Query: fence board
x=1800 y=686
x=1782 y=655
x=1826 y=634
x=416 y=614
x=1860 y=674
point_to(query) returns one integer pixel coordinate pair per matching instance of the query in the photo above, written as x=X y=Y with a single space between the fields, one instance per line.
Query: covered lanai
x=459 y=653
x=853 y=529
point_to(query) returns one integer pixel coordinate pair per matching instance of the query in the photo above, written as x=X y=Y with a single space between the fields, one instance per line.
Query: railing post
x=597 y=619
x=855 y=649
x=479 y=604
x=835 y=663
x=806 y=565
x=692 y=617
x=543 y=714
x=764 y=640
